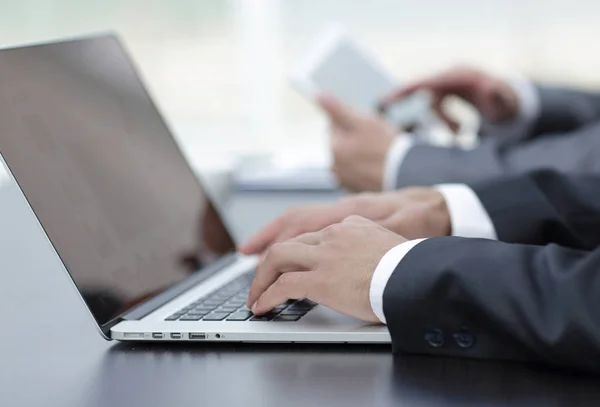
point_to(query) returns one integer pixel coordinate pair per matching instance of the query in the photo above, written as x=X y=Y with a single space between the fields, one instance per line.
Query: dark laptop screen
x=102 y=172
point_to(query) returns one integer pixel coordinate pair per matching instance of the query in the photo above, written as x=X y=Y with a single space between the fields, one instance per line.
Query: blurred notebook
x=284 y=172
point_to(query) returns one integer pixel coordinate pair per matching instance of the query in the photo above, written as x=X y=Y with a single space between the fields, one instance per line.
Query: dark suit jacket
x=535 y=296
x=565 y=137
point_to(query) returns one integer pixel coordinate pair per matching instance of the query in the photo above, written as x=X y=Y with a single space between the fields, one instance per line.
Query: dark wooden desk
x=51 y=355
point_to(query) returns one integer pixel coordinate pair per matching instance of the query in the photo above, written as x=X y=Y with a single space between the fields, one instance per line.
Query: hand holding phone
x=338 y=66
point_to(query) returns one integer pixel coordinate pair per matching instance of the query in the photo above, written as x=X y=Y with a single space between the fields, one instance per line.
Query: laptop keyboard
x=229 y=304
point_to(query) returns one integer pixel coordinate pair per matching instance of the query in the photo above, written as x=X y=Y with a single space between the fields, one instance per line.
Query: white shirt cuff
x=395 y=156
x=468 y=216
x=383 y=272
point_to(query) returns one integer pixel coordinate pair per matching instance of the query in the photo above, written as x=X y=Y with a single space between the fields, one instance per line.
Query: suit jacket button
x=435 y=338
x=464 y=338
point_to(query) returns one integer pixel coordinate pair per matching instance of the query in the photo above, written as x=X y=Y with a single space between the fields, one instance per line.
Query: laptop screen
x=102 y=173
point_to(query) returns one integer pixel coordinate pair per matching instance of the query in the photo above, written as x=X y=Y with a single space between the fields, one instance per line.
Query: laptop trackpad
x=323 y=316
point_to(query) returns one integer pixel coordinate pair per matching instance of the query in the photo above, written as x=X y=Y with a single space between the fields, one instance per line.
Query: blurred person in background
x=525 y=127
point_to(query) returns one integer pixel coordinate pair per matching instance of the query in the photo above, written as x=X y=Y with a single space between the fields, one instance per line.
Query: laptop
x=145 y=247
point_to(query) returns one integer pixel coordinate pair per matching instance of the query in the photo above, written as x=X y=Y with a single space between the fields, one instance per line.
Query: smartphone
x=337 y=65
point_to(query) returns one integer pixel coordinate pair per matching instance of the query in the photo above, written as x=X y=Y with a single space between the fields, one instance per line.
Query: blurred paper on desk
x=285 y=172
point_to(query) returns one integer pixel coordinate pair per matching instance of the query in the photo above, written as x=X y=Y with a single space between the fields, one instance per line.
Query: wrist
x=508 y=99
x=496 y=98
x=441 y=214
x=467 y=216
x=419 y=212
x=381 y=165
x=504 y=102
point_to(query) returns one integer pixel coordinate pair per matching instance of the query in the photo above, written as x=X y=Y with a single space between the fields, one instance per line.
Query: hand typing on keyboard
x=229 y=304
x=333 y=267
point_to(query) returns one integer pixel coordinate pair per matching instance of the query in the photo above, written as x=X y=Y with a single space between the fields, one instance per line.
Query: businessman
x=526 y=290
x=524 y=127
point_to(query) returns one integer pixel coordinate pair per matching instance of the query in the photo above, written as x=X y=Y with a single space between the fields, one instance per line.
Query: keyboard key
x=205 y=308
x=306 y=303
x=236 y=304
x=300 y=307
x=213 y=302
x=280 y=308
x=231 y=308
x=191 y=318
x=293 y=312
x=173 y=318
x=262 y=318
x=201 y=313
x=287 y=318
x=210 y=307
x=216 y=316
x=228 y=310
x=239 y=316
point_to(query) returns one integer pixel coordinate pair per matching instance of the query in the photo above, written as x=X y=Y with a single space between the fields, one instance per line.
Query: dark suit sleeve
x=492 y=300
x=576 y=152
x=562 y=110
x=544 y=207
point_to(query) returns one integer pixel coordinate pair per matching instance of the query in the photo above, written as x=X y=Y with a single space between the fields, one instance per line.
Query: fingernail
x=254 y=307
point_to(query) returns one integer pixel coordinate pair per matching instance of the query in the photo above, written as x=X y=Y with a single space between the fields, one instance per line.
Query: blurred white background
x=218 y=68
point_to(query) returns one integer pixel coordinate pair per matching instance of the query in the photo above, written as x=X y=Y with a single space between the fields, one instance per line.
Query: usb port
x=197 y=336
x=157 y=335
x=175 y=335
x=134 y=335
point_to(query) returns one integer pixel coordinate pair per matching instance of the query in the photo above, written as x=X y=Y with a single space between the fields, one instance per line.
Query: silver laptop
x=141 y=241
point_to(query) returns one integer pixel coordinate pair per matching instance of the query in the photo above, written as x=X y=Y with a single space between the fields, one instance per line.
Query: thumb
x=339 y=114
